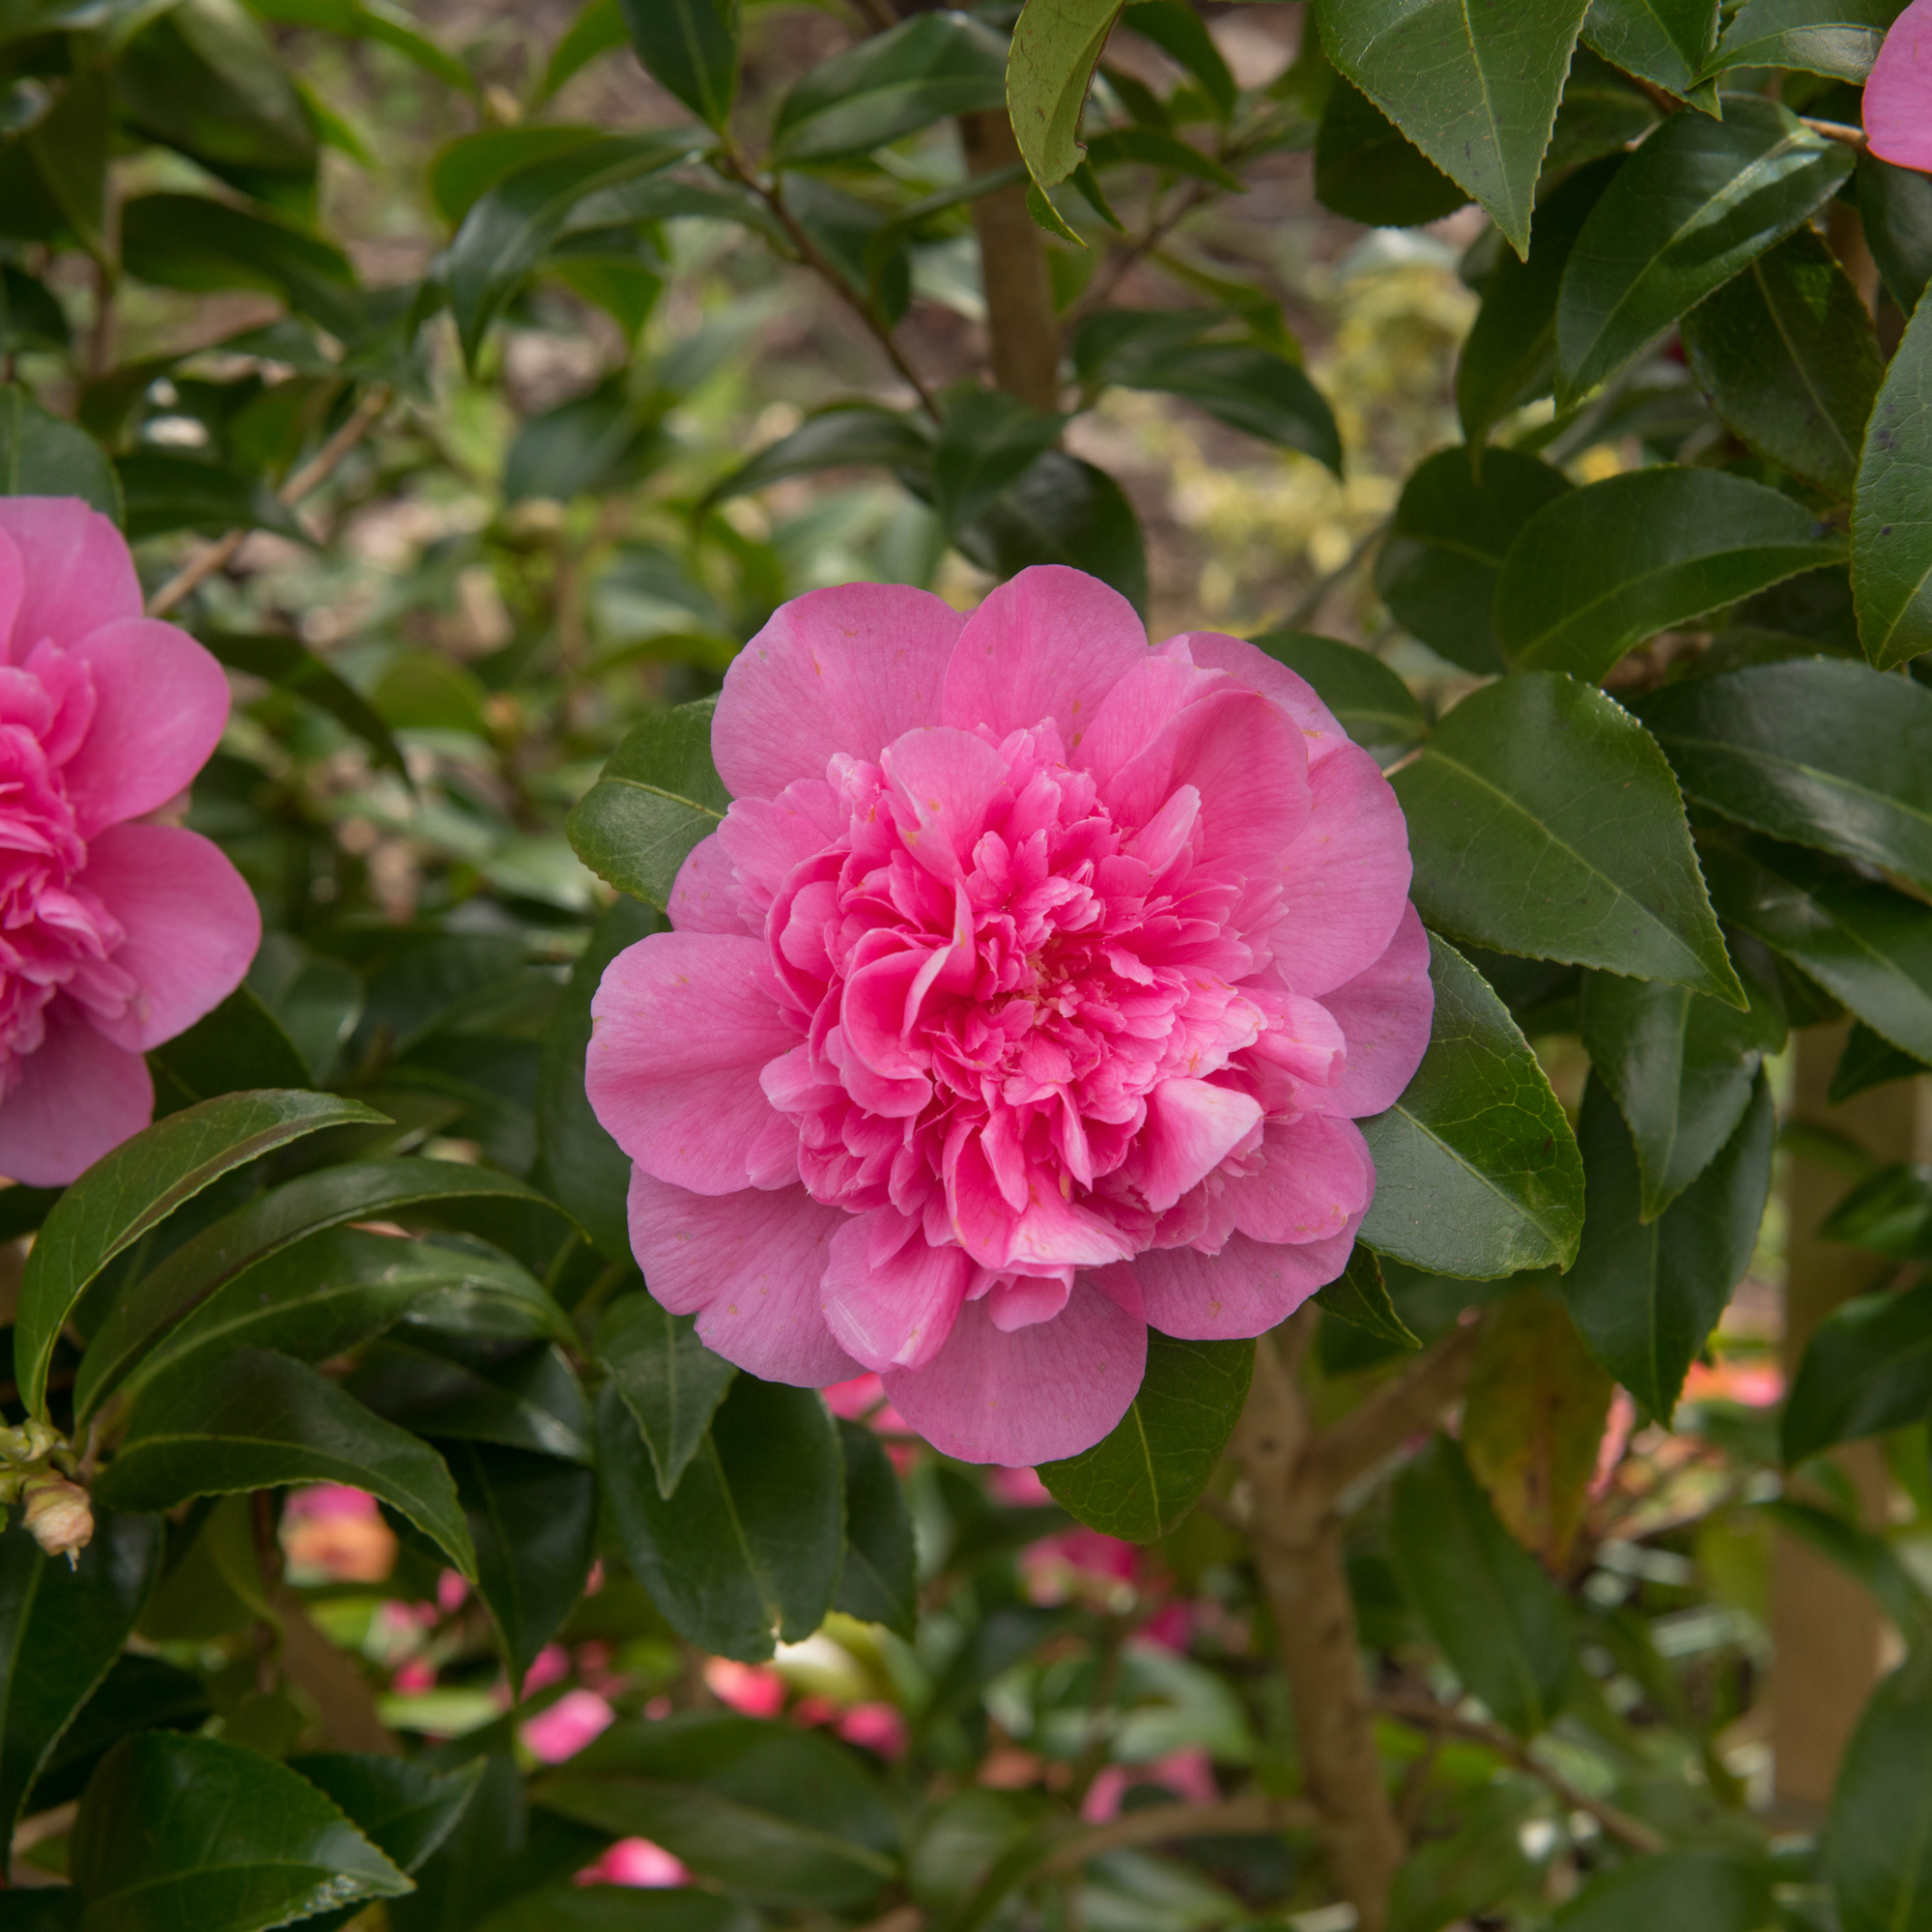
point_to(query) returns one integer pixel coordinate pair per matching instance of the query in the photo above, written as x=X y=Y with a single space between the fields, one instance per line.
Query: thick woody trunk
x=1023 y=330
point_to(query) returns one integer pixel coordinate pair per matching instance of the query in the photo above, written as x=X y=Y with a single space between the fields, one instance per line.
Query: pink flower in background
x=567 y=1726
x=1026 y=996
x=878 y=1727
x=115 y=934
x=1187 y=1773
x=1899 y=95
x=636 y=1862
x=752 y=1690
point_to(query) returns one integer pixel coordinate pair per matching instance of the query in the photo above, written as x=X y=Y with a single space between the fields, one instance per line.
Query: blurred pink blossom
x=877 y=1728
x=753 y=1690
x=636 y=1862
x=567 y=1726
x=551 y=1665
x=1187 y=1773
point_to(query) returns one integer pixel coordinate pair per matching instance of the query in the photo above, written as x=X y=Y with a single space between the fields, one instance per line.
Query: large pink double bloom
x=1899 y=95
x=114 y=934
x=1026 y=997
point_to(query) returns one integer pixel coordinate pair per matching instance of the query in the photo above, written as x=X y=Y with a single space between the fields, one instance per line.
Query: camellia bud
x=59 y=1516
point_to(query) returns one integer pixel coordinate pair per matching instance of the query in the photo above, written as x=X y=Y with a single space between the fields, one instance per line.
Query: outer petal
x=834 y=670
x=765 y=837
x=1344 y=881
x=1899 y=95
x=1259 y=671
x=1050 y=643
x=681 y=1028
x=160 y=703
x=890 y=1301
x=751 y=1262
x=1041 y=1392
x=79 y=1097
x=706 y=897
x=79 y=574
x=1385 y=1014
x=192 y=926
x=1245 y=1290
x=1313 y=1180
x=12 y=588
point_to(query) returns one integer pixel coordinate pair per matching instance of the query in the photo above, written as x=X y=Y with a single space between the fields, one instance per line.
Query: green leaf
x=255 y=1420
x=1480 y=1862
x=1140 y=1481
x=1477 y=1172
x=1869 y=947
x=595 y=31
x=1867 y=1369
x=878 y=1581
x=1890 y=1213
x=1664 y=41
x=889 y=86
x=1182 y=34
x=1473 y=83
x=1874 y=1851
x=42 y=456
x=781 y=1815
x=1151 y=148
x=1604 y=115
x=1646 y=1295
x=136 y=1188
x=446 y=1387
x=1453 y=524
x=846 y=434
x=1701 y=1890
x=406 y=1810
x=509 y=227
x=1682 y=1068
x=462 y=171
x=69 y=146
x=237 y=1047
x=1603 y=569
x=227 y=1840
x=1063 y=511
x=31 y=316
x=593 y=444
x=747 y=1550
x=1866 y=1061
x=1544 y=820
x=1359 y=1296
x=1055 y=47
x=1366 y=171
x=61 y=1629
x=163 y=491
x=1895 y=211
x=670 y=1381
x=1787 y=356
x=1817 y=751
x=988 y=442
x=286 y=663
x=1247 y=388
x=1863 y=1555
x=613 y=1908
x=1501 y=1623
x=1891 y=525
x=1695 y=206
x=1838 y=37
x=1369 y=701
x=691 y=48
x=659 y=795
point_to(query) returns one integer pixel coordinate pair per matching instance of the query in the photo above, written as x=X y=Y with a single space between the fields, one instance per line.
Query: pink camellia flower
x=1898 y=94
x=1026 y=996
x=115 y=934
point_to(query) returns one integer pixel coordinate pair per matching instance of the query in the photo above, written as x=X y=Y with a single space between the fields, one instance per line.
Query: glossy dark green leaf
x=748 y=1551
x=1664 y=41
x=691 y=48
x=613 y=1908
x=1477 y=1171
x=1182 y=34
x=891 y=85
x=1890 y=1211
x=61 y=1629
x=779 y=1815
x=1838 y=37
x=1479 y=1863
x=1063 y=511
x=443 y=1387
x=1874 y=1851
x=879 y=1579
x=238 y=1046
x=1367 y=171
x=1816 y=750
x=1891 y=533
x=163 y=491
x=591 y=445
x=463 y=170
x=1360 y=1296
x=1453 y=524
x=1698 y=203
x=670 y=1381
x=1682 y=1068
x=1645 y=1294
x=988 y=442
x=1603 y=569
x=1475 y=86
x=1787 y=356
x=1867 y=1369
x=70 y=145
x=40 y=455
x=1140 y=1481
x=31 y=316
x=286 y=663
x=1604 y=116
x=1866 y=1062
x=1248 y=389
x=382 y=21
x=1054 y=50
x=1544 y=820
x=406 y=1810
x=596 y=30
x=1699 y=1889
x=247 y=1843
x=139 y=1694
x=1896 y=210
x=659 y=794
x=1501 y=1623
x=851 y=434
x=138 y=1187
x=255 y=1420
x=1369 y=701
x=1868 y=946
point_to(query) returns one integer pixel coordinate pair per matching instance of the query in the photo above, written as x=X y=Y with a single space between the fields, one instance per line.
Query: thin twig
x=1412 y=1401
x=1251 y=1812
x=1122 y=260
x=1836 y=131
x=315 y=471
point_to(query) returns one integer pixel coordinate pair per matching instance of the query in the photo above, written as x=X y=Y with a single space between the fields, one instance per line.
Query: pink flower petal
x=161 y=702
x=1898 y=94
x=1386 y=1012
x=891 y=1302
x=80 y=575
x=834 y=670
x=765 y=837
x=1050 y=643
x=1314 y=1180
x=79 y=1097
x=1245 y=1290
x=192 y=926
x=1258 y=672
x=1038 y=1394
x=940 y=783
x=706 y=896
x=681 y=1027
x=1132 y=715
x=1192 y=1127
x=567 y=1726
x=12 y=588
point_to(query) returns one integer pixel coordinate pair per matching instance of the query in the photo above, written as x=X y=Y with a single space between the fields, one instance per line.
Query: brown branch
x=1836 y=131
x=1400 y=1408
x=1023 y=331
x=1247 y=1814
x=314 y=473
